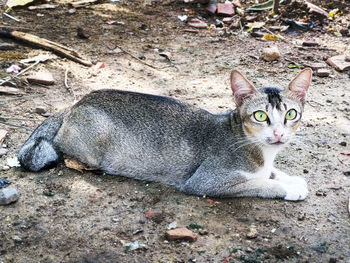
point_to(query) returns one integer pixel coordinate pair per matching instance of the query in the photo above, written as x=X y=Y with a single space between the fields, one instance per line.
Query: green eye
x=291 y=114
x=260 y=116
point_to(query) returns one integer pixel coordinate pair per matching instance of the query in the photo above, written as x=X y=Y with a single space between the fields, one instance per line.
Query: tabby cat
x=161 y=139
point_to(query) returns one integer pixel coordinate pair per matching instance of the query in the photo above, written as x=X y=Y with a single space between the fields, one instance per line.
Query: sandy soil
x=66 y=216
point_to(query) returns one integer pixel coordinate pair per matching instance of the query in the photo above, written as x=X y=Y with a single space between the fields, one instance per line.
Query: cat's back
x=137 y=134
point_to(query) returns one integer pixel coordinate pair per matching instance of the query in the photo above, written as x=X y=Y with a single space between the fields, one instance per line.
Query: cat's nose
x=278 y=134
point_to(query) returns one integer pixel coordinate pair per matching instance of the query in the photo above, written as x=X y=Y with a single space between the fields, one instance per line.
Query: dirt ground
x=63 y=215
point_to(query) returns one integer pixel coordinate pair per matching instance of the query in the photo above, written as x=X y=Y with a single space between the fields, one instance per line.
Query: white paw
x=296 y=191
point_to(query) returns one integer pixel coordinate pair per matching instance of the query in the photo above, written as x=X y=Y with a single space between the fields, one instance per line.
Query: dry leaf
x=75 y=165
x=14 y=3
x=270 y=37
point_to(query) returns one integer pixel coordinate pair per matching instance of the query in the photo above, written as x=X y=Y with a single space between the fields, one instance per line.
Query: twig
x=16 y=119
x=45 y=44
x=20 y=73
x=139 y=60
x=12 y=17
x=14 y=125
x=70 y=89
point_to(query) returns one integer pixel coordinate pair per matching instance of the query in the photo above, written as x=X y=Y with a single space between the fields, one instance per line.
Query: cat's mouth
x=277 y=143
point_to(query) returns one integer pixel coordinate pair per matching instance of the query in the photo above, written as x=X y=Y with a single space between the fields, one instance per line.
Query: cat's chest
x=265 y=171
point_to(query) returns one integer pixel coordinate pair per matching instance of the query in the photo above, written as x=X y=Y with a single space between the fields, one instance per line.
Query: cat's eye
x=291 y=114
x=260 y=116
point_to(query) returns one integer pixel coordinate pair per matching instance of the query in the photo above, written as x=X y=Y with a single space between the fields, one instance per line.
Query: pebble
x=271 y=54
x=323 y=72
x=195 y=22
x=8 y=195
x=341 y=144
x=225 y=9
x=318 y=65
x=253 y=232
x=181 y=234
x=203 y=232
x=344 y=32
x=40 y=110
x=310 y=43
x=3 y=151
x=301 y=216
x=44 y=78
x=339 y=62
x=5 y=168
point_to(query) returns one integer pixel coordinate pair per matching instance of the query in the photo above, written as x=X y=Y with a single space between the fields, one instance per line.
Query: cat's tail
x=38 y=151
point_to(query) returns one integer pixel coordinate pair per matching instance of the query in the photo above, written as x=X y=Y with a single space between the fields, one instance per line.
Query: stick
x=134 y=57
x=12 y=17
x=14 y=125
x=45 y=44
x=19 y=73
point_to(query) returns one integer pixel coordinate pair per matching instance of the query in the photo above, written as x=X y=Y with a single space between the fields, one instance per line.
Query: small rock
x=305 y=171
x=271 y=54
x=225 y=9
x=332 y=260
x=81 y=33
x=339 y=62
x=253 y=232
x=72 y=11
x=344 y=32
x=5 y=168
x=203 y=232
x=301 y=216
x=44 y=78
x=181 y=234
x=17 y=239
x=317 y=65
x=40 y=110
x=172 y=225
x=321 y=193
x=195 y=22
x=8 y=195
x=347 y=173
x=250 y=18
x=3 y=151
x=310 y=43
x=341 y=144
x=134 y=246
x=323 y=72
x=211 y=8
x=218 y=23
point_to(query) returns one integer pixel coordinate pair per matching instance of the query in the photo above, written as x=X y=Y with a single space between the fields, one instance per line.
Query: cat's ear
x=241 y=87
x=300 y=84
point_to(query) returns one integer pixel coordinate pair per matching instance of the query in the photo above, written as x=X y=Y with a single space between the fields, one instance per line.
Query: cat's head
x=270 y=116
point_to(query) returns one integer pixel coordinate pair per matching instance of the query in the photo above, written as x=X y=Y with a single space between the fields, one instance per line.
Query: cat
x=161 y=139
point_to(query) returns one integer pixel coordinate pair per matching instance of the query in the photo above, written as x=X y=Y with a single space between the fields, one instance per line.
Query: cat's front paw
x=296 y=192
